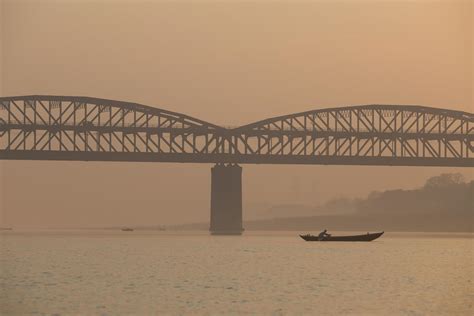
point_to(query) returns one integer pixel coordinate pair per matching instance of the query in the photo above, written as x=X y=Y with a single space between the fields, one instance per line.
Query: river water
x=151 y=273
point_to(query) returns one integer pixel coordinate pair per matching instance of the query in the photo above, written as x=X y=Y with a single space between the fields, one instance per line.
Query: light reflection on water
x=114 y=272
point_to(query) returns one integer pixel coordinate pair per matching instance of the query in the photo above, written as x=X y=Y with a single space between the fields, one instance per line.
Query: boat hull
x=365 y=237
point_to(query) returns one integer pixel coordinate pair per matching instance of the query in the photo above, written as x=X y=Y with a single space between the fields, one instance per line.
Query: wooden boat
x=127 y=229
x=365 y=237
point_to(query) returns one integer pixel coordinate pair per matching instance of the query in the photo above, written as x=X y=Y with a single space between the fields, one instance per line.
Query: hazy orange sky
x=229 y=63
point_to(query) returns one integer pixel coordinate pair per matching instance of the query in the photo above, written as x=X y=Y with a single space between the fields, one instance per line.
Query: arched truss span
x=70 y=127
x=82 y=128
x=366 y=134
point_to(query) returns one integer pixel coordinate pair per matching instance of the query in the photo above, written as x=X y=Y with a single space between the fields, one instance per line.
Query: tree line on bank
x=444 y=203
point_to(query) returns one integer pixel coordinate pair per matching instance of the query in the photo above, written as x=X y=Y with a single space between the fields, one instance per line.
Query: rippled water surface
x=95 y=272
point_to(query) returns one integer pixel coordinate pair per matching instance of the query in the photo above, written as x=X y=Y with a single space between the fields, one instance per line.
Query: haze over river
x=114 y=272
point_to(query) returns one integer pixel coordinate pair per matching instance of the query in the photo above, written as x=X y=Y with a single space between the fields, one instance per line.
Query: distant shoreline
x=354 y=222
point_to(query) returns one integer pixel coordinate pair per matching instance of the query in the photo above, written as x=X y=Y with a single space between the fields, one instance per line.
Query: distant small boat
x=127 y=229
x=365 y=237
x=6 y=228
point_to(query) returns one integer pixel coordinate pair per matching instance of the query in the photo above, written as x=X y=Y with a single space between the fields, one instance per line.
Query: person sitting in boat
x=323 y=234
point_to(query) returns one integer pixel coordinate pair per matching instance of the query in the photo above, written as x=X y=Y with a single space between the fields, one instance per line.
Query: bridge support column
x=226 y=200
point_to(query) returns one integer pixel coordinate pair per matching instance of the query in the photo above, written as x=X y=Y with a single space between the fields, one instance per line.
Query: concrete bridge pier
x=226 y=200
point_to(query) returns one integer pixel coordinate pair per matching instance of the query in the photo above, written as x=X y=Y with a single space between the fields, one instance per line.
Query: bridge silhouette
x=40 y=127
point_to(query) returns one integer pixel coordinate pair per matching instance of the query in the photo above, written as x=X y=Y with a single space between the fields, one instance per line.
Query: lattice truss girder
x=86 y=125
x=364 y=131
x=78 y=124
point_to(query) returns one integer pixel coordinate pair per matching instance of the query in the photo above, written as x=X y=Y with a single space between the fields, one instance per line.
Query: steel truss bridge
x=89 y=129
